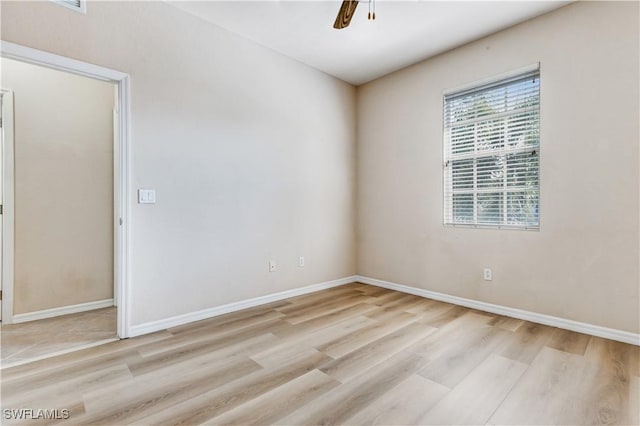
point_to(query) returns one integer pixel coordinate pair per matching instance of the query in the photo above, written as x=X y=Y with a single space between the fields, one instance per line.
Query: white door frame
x=122 y=206
x=7 y=200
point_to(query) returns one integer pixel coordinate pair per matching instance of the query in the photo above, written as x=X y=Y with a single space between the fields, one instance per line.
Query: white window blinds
x=491 y=154
x=77 y=5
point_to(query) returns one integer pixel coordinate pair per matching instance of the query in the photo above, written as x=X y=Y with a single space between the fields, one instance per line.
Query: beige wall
x=252 y=154
x=63 y=187
x=583 y=264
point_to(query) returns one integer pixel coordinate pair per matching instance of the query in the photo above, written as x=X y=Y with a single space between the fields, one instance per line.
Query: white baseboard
x=163 y=324
x=63 y=310
x=580 y=327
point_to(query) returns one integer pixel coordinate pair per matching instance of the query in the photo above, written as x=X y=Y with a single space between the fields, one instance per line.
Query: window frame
x=82 y=8
x=447 y=183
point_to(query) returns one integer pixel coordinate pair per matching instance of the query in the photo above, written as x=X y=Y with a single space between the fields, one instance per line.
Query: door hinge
x=1 y=209
x=0 y=294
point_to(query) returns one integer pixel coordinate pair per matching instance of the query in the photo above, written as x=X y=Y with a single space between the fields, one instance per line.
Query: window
x=492 y=154
x=77 y=5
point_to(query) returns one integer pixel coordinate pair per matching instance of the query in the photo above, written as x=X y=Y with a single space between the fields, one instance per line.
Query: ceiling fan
x=347 y=10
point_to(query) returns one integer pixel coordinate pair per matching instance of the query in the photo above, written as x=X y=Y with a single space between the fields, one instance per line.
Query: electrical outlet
x=272 y=265
x=488 y=276
x=301 y=261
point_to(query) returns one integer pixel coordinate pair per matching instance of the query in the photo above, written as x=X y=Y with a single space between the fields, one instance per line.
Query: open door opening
x=80 y=237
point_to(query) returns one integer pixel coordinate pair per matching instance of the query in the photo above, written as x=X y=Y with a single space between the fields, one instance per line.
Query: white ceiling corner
x=405 y=32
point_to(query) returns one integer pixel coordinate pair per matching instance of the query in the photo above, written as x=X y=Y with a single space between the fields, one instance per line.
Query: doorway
x=119 y=183
x=63 y=185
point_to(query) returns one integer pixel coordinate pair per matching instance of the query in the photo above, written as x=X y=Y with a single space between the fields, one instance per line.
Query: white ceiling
x=405 y=32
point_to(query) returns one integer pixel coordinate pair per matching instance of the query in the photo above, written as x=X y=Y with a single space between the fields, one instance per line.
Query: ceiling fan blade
x=345 y=14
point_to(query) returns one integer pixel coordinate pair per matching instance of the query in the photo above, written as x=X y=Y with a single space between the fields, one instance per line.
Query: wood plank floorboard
x=322 y=309
x=269 y=407
x=340 y=346
x=368 y=356
x=318 y=323
x=569 y=341
x=446 y=317
x=511 y=324
x=565 y=387
x=474 y=400
x=404 y=404
x=316 y=339
x=353 y=354
x=204 y=337
x=634 y=395
x=464 y=355
x=528 y=340
x=345 y=401
x=218 y=400
x=449 y=335
x=247 y=315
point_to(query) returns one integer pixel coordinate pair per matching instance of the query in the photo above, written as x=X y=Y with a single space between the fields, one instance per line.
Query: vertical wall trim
x=7 y=206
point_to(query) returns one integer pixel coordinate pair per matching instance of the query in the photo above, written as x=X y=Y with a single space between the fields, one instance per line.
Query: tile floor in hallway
x=35 y=339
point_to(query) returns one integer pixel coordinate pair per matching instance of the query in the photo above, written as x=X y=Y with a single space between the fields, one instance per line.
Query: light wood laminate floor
x=31 y=340
x=355 y=354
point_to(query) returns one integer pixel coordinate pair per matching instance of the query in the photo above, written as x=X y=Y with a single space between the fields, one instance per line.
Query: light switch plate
x=146 y=196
